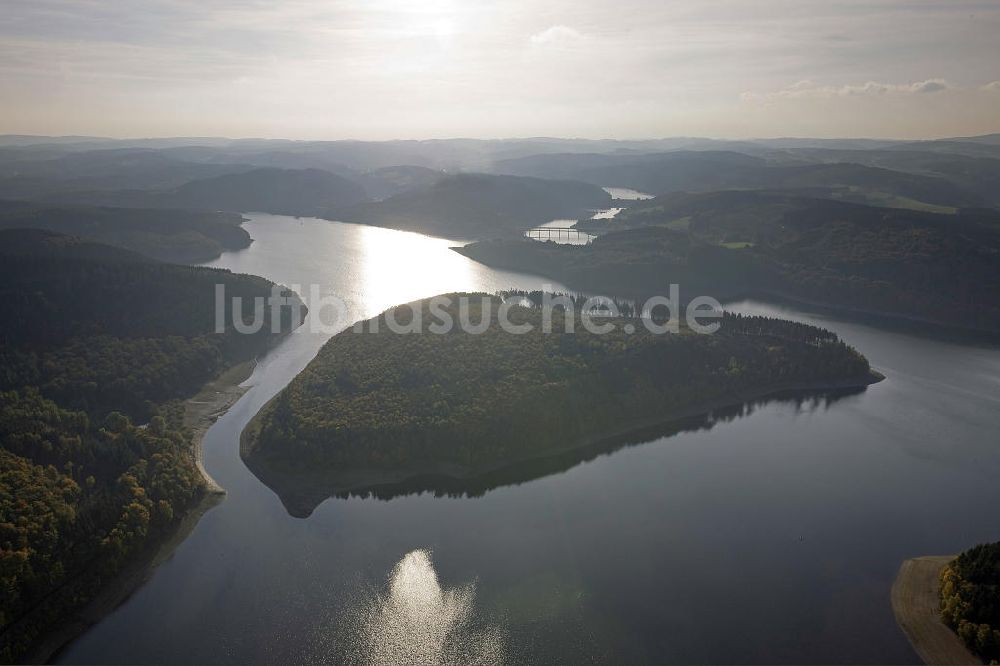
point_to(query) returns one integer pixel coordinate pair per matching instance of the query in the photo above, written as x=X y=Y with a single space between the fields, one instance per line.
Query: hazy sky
x=380 y=69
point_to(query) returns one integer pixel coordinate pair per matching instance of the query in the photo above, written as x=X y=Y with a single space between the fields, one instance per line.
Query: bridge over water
x=568 y=234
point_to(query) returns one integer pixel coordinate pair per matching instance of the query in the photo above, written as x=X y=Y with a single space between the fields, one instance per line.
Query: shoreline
x=359 y=479
x=200 y=412
x=916 y=603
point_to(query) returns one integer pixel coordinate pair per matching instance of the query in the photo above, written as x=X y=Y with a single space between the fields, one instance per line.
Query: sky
x=385 y=69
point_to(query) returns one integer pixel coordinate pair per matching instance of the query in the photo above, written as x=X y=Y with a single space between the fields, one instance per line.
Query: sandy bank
x=916 y=603
x=204 y=409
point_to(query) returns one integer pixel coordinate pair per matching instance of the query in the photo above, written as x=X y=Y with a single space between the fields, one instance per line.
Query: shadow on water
x=301 y=491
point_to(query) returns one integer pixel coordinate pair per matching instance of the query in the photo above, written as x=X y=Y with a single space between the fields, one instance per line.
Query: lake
x=626 y=194
x=771 y=535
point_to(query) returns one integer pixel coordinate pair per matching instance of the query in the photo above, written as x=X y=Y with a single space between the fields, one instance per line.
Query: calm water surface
x=771 y=537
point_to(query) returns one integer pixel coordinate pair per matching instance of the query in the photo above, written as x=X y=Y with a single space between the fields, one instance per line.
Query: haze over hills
x=183 y=236
x=701 y=171
x=268 y=189
x=40 y=170
x=460 y=187
x=979 y=175
x=481 y=205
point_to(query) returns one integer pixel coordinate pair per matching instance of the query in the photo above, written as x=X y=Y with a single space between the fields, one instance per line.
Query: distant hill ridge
x=267 y=189
x=701 y=171
x=938 y=268
x=182 y=236
x=481 y=205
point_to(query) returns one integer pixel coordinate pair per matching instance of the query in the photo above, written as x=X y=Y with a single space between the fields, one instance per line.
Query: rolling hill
x=181 y=236
x=703 y=171
x=480 y=205
x=270 y=190
x=890 y=262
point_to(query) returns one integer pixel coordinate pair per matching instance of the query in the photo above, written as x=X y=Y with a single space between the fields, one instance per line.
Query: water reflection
x=606 y=214
x=416 y=621
x=626 y=194
x=301 y=491
x=387 y=254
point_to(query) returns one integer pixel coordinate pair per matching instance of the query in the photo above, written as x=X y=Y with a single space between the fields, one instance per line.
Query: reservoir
x=767 y=534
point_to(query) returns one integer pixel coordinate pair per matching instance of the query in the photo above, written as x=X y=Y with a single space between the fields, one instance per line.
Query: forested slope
x=182 y=236
x=95 y=340
x=481 y=205
x=892 y=262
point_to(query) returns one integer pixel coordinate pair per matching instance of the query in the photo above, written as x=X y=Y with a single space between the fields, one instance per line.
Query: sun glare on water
x=399 y=267
x=418 y=622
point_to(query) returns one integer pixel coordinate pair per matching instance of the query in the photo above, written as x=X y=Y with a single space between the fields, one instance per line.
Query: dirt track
x=915 y=604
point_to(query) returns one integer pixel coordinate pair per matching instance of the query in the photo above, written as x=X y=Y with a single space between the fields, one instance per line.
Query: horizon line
x=95 y=137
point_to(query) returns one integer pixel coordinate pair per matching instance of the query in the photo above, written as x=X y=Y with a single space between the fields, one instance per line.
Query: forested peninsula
x=98 y=346
x=379 y=405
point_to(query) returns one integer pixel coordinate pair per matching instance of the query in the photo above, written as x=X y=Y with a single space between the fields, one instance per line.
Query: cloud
x=559 y=36
x=809 y=90
x=992 y=86
x=483 y=68
x=929 y=86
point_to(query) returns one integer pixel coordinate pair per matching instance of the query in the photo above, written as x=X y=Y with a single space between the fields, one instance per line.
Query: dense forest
x=181 y=236
x=893 y=262
x=97 y=344
x=970 y=599
x=472 y=402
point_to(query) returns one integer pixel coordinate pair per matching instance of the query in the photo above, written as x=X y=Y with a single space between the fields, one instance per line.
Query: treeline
x=622 y=307
x=380 y=399
x=741 y=324
x=970 y=599
x=94 y=341
x=733 y=322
